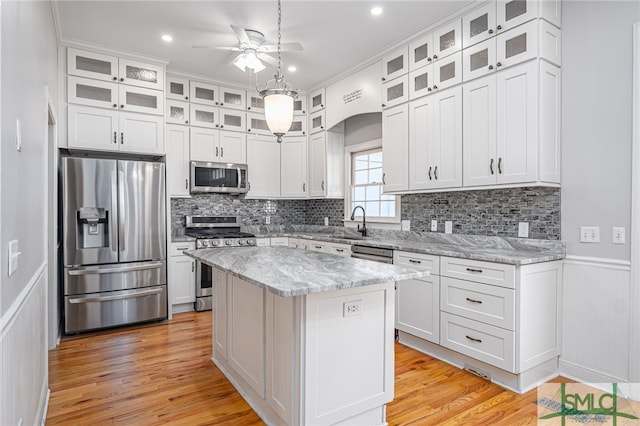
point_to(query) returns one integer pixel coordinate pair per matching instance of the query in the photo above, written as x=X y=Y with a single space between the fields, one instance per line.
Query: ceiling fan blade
x=232 y=49
x=284 y=47
x=268 y=59
x=241 y=34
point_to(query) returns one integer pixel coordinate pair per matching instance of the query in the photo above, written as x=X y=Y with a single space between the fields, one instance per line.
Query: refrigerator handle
x=121 y=214
x=114 y=217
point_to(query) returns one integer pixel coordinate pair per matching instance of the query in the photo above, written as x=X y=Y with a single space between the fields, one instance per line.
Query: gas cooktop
x=217 y=231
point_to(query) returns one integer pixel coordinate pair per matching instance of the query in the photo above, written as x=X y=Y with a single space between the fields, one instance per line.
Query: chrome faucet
x=362 y=230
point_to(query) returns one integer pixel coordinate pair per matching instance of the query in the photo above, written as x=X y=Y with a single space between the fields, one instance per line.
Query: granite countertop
x=181 y=238
x=288 y=271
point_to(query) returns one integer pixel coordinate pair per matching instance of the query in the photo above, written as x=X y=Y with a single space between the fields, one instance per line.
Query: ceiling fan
x=253 y=50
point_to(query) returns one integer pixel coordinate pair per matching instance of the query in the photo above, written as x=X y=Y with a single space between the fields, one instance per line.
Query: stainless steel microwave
x=218 y=177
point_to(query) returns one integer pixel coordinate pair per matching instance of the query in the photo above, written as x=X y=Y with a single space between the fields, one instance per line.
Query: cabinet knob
x=304 y=133
x=115 y=105
x=499 y=27
x=429 y=59
x=221 y=103
x=217 y=125
x=435 y=87
x=121 y=106
x=186 y=121
x=186 y=97
x=115 y=78
x=499 y=64
x=321 y=105
x=428 y=89
x=304 y=112
x=383 y=105
x=221 y=126
x=248 y=130
x=490 y=67
x=490 y=31
x=435 y=56
x=384 y=79
x=217 y=103
x=121 y=79
x=249 y=108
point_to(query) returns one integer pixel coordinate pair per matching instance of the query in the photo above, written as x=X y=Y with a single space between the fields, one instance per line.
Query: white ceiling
x=335 y=35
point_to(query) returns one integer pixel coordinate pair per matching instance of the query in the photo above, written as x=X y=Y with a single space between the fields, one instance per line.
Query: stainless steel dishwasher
x=375 y=254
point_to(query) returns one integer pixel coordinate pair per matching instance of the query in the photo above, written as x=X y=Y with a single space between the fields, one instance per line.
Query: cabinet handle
x=490 y=67
x=384 y=182
x=217 y=103
x=473 y=300
x=182 y=248
x=473 y=339
x=221 y=152
x=499 y=27
x=304 y=187
x=193 y=267
x=490 y=31
x=339 y=250
x=186 y=184
x=415 y=261
x=435 y=172
x=216 y=151
x=491 y=166
x=500 y=165
x=121 y=138
x=474 y=270
x=429 y=172
x=115 y=137
x=322 y=185
x=499 y=64
x=248 y=186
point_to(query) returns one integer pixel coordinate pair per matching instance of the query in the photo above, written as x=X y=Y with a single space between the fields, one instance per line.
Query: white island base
x=316 y=359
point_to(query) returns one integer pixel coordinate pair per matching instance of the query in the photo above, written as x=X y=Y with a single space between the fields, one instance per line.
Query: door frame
x=634 y=355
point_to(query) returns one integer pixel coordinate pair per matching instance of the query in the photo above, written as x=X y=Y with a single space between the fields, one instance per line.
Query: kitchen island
x=305 y=337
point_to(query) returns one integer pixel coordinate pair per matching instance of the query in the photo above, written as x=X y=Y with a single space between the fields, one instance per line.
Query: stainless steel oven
x=218 y=177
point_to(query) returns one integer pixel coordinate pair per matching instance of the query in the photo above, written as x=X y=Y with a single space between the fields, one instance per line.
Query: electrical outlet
x=617 y=235
x=448 y=227
x=352 y=308
x=267 y=220
x=434 y=225
x=326 y=221
x=589 y=234
x=405 y=225
x=523 y=229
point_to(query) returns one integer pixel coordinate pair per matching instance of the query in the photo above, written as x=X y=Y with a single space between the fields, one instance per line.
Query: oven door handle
x=118 y=297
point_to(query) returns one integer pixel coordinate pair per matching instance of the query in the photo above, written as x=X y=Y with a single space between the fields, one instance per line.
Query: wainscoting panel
x=23 y=351
x=596 y=319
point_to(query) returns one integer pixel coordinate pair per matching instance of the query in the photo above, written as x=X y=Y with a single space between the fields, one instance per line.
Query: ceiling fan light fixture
x=253 y=62
x=240 y=62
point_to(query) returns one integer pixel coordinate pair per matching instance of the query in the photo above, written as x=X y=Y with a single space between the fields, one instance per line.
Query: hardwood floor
x=164 y=374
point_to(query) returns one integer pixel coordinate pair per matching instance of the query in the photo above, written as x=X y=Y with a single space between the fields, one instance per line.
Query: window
x=366 y=187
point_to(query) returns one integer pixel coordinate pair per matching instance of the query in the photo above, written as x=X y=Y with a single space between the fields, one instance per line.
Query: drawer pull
x=414 y=261
x=340 y=250
x=474 y=270
x=182 y=248
x=318 y=247
x=474 y=340
x=473 y=300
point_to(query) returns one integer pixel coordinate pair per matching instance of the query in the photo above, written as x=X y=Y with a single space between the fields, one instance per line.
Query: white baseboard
x=583 y=374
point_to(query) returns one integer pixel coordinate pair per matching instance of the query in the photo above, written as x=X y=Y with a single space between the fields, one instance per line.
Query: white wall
x=362 y=128
x=29 y=63
x=596 y=122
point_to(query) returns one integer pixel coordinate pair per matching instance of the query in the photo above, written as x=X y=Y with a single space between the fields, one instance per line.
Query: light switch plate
x=448 y=227
x=405 y=225
x=589 y=234
x=617 y=235
x=18 y=135
x=523 y=229
x=434 y=225
x=13 y=256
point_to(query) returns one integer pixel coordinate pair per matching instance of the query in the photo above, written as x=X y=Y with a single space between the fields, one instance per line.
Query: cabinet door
x=204 y=144
x=395 y=64
x=182 y=280
x=177 y=112
x=263 y=160
x=316 y=100
x=395 y=92
x=300 y=106
x=517 y=121
x=517 y=45
x=141 y=74
x=447 y=120
x=511 y=13
x=293 y=170
x=141 y=133
x=93 y=128
x=257 y=124
x=421 y=143
x=421 y=52
x=420 y=82
x=418 y=307
x=220 y=312
x=479 y=131
x=255 y=103
x=203 y=93
x=298 y=126
x=233 y=120
x=138 y=99
x=92 y=65
x=91 y=92
x=316 y=121
x=204 y=116
x=395 y=148
x=448 y=72
x=233 y=147
x=177 y=88
x=177 y=160
x=479 y=60
x=317 y=164
x=447 y=39
x=479 y=24
x=232 y=98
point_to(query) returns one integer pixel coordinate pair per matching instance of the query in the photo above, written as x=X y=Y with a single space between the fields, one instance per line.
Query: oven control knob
x=251 y=242
x=198 y=244
x=240 y=242
x=227 y=242
x=205 y=243
x=214 y=243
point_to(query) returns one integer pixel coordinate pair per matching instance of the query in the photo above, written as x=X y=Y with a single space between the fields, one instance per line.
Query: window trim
x=349 y=150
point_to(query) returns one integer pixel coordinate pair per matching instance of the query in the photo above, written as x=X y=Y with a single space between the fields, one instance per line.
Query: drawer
x=317 y=246
x=486 y=303
x=176 y=249
x=483 y=342
x=499 y=274
x=425 y=262
x=280 y=241
x=263 y=242
x=339 y=249
x=293 y=242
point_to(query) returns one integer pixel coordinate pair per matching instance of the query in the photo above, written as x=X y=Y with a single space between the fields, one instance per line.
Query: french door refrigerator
x=114 y=242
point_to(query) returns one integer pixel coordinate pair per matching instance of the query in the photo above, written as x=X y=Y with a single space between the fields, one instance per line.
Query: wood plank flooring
x=163 y=374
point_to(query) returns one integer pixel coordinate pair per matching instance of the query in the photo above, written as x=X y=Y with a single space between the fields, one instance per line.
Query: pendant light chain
x=279 y=37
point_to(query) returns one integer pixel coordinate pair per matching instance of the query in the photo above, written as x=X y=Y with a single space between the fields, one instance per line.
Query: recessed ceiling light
x=292 y=68
x=376 y=11
x=167 y=38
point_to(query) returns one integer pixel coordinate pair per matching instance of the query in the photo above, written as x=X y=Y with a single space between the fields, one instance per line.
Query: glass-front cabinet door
x=138 y=99
x=255 y=103
x=447 y=39
x=479 y=24
x=395 y=92
x=298 y=126
x=479 y=60
x=177 y=88
x=316 y=121
x=203 y=93
x=517 y=45
x=395 y=64
x=317 y=100
x=448 y=72
x=300 y=105
x=232 y=98
x=233 y=120
x=177 y=112
x=421 y=52
x=511 y=13
x=141 y=74
x=87 y=91
x=257 y=124
x=92 y=65
x=204 y=116
x=420 y=82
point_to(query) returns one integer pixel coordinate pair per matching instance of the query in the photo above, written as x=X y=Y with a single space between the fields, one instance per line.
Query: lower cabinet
x=326 y=247
x=182 y=277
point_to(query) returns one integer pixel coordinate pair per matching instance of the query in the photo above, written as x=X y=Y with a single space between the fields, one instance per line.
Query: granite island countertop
x=287 y=271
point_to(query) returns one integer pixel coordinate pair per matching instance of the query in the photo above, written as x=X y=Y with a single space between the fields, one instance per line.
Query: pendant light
x=278 y=99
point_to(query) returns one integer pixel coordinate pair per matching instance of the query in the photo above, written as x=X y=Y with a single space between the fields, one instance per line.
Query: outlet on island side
x=352 y=308
x=448 y=227
x=326 y=221
x=267 y=220
x=434 y=225
x=523 y=229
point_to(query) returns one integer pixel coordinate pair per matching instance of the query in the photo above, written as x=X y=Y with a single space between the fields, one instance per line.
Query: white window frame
x=385 y=222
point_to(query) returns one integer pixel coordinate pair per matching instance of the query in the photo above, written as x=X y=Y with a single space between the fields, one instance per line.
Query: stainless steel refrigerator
x=114 y=242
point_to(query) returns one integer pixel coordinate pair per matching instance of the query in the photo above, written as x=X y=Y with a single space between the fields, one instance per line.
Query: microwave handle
x=239 y=177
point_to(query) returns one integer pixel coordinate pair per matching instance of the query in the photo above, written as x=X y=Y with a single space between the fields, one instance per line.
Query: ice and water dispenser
x=92 y=227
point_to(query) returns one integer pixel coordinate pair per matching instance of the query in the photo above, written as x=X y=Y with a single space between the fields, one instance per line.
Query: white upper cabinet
x=298 y=126
x=300 y=105
x=257 y=124
x=204 y=144
x=137 y=99
x=326 y=164
x=421 y=143
x=177 y=160
x=92 y=92
x=263 y=160
x=177 y=88
x=203 y=93
x=234 y=120
x=140 y=74
x=141 y=133
x=421 y=52
x=479 y=60
x=316 y=122
x=395 y=64
x=177 y=112
x=479 y=24
x=233 y=147
x=232 y=98
x=517 y=45
x=204 y=116
x=395 y=148
x=92 y=65
x=317 y=164
x=511 y=13
x=255 y=103
x=420 y=82
x=293 y=170
x=395 y=92
x=93 y=128
x=447 y=71
x=447 y=39
x=317 y=100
